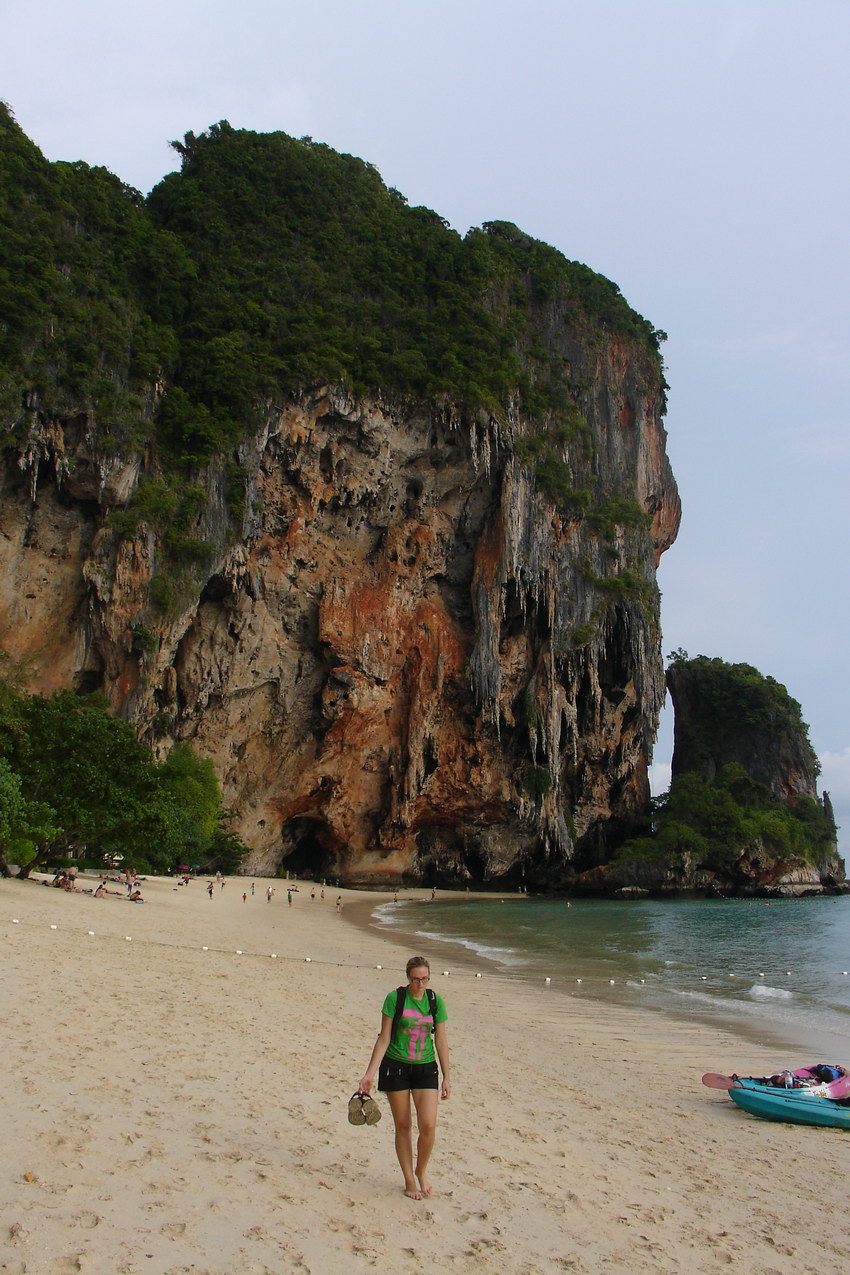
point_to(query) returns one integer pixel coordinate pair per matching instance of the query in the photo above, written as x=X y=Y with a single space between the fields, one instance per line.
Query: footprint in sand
x=173 y=1229
x=87 y=1219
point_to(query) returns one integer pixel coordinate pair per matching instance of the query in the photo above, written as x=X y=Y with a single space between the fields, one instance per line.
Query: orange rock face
x=415 y=661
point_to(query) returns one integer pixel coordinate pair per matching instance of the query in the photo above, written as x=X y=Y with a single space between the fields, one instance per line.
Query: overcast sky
x=694 y=152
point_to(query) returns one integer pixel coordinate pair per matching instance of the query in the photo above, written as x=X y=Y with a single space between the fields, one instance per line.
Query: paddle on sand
x=715 y=1081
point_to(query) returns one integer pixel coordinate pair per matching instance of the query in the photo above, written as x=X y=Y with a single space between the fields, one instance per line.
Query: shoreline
x=176 y=1104
x=782 y=1039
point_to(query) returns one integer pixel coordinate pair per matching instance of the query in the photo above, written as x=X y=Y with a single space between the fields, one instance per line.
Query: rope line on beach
x=571 y=980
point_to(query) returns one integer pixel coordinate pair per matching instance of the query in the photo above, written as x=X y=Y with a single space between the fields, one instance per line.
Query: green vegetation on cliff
x=736 y=700
x=718 y=822
x=75 y=780
x=265 y=265
x=76 y=335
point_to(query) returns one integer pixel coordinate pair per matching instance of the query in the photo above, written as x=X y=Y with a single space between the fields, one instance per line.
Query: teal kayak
x=794 y=1105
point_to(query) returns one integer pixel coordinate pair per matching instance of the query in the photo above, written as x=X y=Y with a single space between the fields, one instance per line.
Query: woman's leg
x=425 y=1102
x=400 y=1107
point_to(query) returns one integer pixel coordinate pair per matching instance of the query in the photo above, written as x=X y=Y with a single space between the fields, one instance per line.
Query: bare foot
x=426 y=1185
x=413 y=1192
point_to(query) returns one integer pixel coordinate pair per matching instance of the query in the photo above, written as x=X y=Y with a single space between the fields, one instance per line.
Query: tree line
x=76 y=783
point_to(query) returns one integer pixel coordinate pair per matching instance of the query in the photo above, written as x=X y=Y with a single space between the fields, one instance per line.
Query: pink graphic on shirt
x=417 y=1028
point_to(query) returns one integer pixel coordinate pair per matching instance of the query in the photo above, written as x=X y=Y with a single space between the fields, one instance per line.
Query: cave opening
x=304 y=851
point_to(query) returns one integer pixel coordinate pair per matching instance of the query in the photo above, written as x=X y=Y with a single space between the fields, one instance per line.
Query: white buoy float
x=91 y=932
x=274 y=956
x=127 y=938
x=15 y=921
x=379 y=967
x=548 y=980
x=239 y=951
x=54 y=927
x=205 y=949
x=308 y=959
x=478 y=975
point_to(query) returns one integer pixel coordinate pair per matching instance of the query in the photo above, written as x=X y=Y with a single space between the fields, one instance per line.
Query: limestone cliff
x=423 y=642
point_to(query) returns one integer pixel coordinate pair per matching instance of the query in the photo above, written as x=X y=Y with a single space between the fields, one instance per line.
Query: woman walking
x=404 y=1061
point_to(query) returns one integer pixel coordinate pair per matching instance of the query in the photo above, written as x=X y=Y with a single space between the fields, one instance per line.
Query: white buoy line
x=548 y=980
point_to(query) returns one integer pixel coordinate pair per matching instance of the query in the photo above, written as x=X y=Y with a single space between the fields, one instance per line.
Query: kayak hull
x=795 y=1106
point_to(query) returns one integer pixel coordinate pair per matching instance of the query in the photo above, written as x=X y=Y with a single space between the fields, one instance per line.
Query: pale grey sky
x=693 y=152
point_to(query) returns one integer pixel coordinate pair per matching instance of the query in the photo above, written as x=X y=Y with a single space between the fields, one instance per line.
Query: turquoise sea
x=776 y=970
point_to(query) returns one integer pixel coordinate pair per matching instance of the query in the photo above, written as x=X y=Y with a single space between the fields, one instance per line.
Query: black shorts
x=395 y=1076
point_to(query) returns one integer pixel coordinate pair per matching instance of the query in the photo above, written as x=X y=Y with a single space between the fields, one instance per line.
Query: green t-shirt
x=414 y=1040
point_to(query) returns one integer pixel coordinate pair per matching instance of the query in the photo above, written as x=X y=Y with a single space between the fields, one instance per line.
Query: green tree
x=107 y=794
x=23 y=824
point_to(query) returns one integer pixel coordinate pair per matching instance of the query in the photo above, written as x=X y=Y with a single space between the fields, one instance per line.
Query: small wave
x=387 y=914
x=760 y=991
x=504 y=955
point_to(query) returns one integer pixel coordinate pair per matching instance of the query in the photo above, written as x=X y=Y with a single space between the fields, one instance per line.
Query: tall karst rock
x=729 y=714
x=368 y=512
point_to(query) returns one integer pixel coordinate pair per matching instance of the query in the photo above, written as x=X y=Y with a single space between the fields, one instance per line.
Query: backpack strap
x=400 y=996
x=432 y=1005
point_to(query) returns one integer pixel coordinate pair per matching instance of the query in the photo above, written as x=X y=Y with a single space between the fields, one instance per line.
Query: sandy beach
x=175 y=1103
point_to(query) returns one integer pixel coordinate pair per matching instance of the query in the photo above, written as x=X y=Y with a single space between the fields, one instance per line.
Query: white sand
x=177 y=1111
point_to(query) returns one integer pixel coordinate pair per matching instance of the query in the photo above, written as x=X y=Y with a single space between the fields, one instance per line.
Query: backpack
x=399 y=1008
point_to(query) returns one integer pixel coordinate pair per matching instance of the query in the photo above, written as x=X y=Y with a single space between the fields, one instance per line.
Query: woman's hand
x=446 y=1090
x=365 y=1085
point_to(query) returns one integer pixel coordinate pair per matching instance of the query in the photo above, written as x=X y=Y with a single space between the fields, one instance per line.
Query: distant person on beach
x=269 y=893
x=405 y=1064
x=210 y=888
x=289 y=897
x=322 y=895
x=244 y=897
x=339 y=903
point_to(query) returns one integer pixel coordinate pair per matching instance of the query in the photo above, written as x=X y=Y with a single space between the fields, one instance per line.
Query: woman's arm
x=441 y=1040
x=381 y=1046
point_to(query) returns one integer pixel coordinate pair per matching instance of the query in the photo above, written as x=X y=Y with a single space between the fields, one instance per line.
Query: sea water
x=774 y=969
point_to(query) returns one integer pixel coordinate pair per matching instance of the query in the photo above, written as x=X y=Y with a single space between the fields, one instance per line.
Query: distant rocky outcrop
x=743 y=814
x=732 y=715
